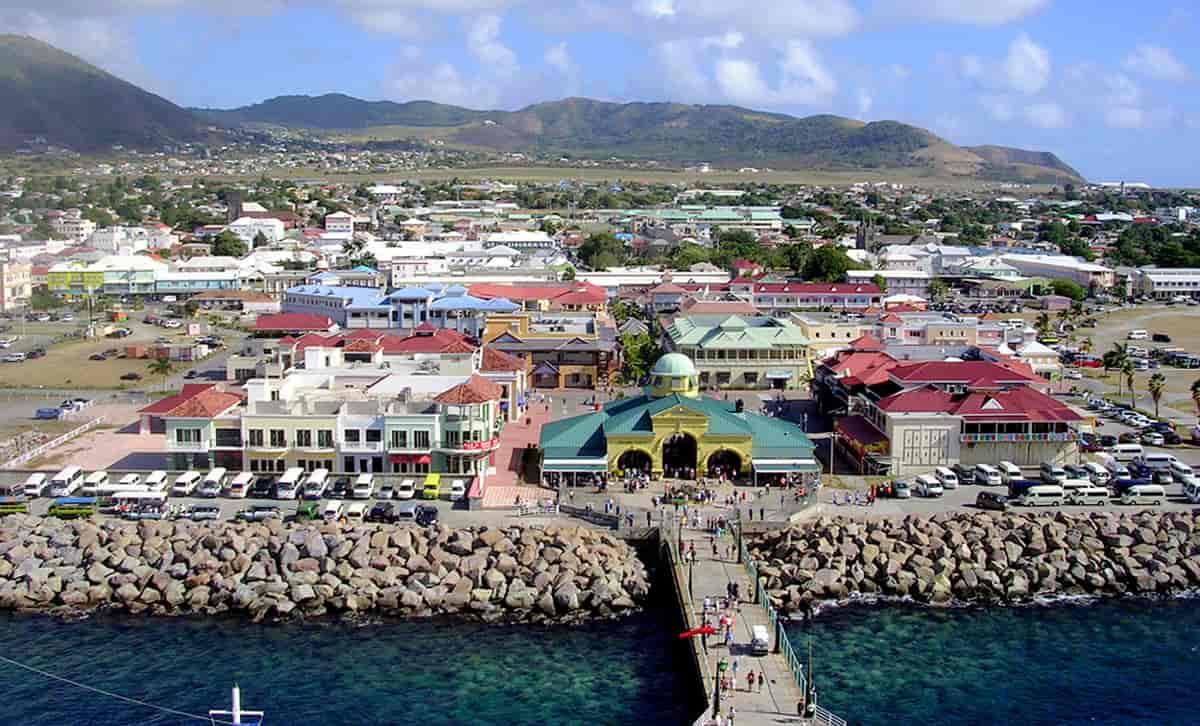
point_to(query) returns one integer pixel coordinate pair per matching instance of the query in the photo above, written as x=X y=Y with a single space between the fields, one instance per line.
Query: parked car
x=341 y=488
x=262 y=488
x=203 y=512
x=131 y=377
x=1153 y=438
x=1073 y=374
x=385 y=492
x=48 y=414
x=383 y=512
x=964 y=473
x=927 y=485
x=1161 y=338
x=97 y=356
x=259 y=513
x=1128 y=437
x=1170 y=438
x=991 y=500
x=15 y=358
x=426 y=515
x=1107 y=441
x=1075 y=471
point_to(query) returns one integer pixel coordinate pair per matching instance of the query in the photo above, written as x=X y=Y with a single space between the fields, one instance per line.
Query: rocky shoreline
x=968 y=558
x=273 y=570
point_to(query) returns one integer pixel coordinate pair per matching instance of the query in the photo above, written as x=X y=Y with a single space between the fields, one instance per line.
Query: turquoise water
x=620 y=672
x=1124 y=663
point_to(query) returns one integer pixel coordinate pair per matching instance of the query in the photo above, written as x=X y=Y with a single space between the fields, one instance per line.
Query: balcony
x=1056 y=437
x=365 y=447
x=187 y=445
x=471 y=446
x=228 y=442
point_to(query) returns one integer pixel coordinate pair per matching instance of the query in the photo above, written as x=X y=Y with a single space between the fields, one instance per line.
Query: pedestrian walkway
x=779 y=699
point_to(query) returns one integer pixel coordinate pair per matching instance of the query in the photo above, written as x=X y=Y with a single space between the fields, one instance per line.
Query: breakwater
x=274 y=570
x=961 y=557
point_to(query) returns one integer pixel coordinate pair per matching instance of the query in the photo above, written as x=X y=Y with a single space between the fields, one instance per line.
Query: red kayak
x=707 y=630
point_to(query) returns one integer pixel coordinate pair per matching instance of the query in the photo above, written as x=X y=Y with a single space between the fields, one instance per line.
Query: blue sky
x=1109 y=86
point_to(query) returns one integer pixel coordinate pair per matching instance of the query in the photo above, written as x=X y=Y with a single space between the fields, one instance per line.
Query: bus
x=72 y=507
x=433 y=487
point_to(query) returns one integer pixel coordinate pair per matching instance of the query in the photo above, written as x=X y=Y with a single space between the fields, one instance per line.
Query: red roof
x=1011 y=404
x=475 y=389
x=429 y=340
x=866 y=342
x=741 y=264
x=578 y=293
x=666 y=288
x=498 y=360
x=293 y=321
x=869 y=368
x=196 y=400
x=973 y=372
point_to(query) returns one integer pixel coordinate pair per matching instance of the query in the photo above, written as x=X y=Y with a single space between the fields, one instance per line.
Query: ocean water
x=394 y=672
x=1121 y=663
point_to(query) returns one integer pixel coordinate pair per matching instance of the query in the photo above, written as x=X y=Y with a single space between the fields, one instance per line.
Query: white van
x=186 y=483
x=240 y=486
x=988 y=475
x=1138 y=334
x=332 y=510
x=1090 y=495
x=1192 y=492
x=927 y=485
x=1053 y=473
x=407 y=489
x=93 y=482
x=156 y=480
x=1128 y=452
x=1009 y=471
x=1070 y=486
x=35 y=485
x=355 y=511
x=316 y=483
x=458 y=490
x=288 y=486
x=1098 y=474
x=760 y=640
x=364 y=486
x=1144 y=494
x=1043 y=495
x=945 y=477
x=131 y=482
x=213 y=484
x=1182 y=472
x=66 y=482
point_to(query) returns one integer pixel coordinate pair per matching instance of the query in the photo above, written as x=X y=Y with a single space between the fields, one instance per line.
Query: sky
x=1111 y=87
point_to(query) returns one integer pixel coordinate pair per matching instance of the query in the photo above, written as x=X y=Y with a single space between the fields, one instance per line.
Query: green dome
x=672 y=365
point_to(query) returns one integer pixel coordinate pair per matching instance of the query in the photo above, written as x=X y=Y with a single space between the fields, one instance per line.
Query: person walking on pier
x=732 y=713
x=750 y=681
x=762 y=678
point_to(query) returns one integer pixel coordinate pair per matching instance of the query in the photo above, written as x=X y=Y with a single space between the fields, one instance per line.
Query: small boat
x=236 y=716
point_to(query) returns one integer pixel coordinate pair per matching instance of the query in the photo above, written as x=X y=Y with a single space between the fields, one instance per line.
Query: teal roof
x=673 y=364
x=585 y=436
x=735 y=333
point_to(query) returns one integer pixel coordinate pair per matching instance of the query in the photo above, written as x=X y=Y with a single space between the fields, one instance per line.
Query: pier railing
x=821 y=716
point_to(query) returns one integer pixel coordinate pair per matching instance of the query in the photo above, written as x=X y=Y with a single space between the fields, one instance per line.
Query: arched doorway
x=679 y=455
x=635 y=460
x=725 y=461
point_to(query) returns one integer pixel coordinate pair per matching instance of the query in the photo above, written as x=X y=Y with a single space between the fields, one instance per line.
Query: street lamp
x=739 y=535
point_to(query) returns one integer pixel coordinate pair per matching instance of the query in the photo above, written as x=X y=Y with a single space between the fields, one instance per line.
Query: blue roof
x=411 y=292
x=356 y=297
x=459 y=302
x=364 y=268
x=502 y=305
x=455 y=290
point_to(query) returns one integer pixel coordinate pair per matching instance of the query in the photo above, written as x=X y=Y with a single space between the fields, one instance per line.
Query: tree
x=1155 y=386
x=1129 y=372
x=879 y=282
x=260 y=239
x=938 y=289
x=1068 y=288
x=228 y=244
x=640 y=353
x=601 y=251
x=161 y=367
x=568 y=274
x=828 y=264
x=1042 y=324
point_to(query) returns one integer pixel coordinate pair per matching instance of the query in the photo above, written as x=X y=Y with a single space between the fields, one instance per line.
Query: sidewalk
x=778 y=700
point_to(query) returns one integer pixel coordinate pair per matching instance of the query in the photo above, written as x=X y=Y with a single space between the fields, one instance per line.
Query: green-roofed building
x=743 y=352
x=672 y=428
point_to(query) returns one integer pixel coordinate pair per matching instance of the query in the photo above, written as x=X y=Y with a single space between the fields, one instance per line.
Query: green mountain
x=726 y=135
x=45 y=92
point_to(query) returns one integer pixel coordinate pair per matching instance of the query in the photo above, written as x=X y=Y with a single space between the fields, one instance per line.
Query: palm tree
x=162 y=367
x=1128 y=371
x=1196 y=393
x=1115 y=359
x=1042 y=325
x=1076 y=310
x=1156 y=386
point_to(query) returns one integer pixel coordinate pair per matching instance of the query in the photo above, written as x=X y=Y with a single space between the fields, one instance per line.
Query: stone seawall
x=955 y=558
x=273 y=570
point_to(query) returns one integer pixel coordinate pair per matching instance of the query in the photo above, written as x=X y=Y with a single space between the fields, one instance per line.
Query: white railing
x=53 y=443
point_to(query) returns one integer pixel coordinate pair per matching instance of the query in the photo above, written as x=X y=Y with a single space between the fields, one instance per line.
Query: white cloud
x=1122 y=90
x=1000 y=108
x=1026 y=68
x=898 y=71
x=483 y=42
x=1155 y=61
x=803 y=80
x=1125 y=117
x=1046 y=115
x=682 y=67
x=768 y=19
x=731 y=40
x=410 y=52
x=967 y=12
x=864 y=101
x=557 y=57
x=971 y=66
x=442 y=83
x=655 y=8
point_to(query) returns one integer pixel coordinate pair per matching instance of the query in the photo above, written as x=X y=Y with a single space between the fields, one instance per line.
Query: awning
x=590 y=465
x=781 y=375
x=410 y=458
x=785 y=466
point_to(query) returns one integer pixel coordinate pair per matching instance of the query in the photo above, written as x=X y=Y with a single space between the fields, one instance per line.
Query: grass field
x=9 y=428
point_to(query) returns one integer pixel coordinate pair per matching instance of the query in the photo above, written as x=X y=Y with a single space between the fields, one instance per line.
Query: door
x=348 y=464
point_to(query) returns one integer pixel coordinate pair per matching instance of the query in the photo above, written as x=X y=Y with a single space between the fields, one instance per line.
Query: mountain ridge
x=578 y=126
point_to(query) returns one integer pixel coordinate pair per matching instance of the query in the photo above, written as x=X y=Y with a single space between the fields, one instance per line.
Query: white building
x=1164 y=284
x=340 y=223
x=1087 y=274
x=120 y=240
x=247 y=228
x=523 y=240
x=73 y=228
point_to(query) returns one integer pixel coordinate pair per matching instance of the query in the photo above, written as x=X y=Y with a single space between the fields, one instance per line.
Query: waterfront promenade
x=779 y=699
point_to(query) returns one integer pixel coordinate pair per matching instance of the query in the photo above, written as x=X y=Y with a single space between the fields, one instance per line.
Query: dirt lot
x=1182 y=323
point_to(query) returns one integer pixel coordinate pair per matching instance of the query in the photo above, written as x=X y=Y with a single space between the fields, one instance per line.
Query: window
x=452 y=439
x=304 y=438
x=278 y=437
x=325 y=439
x=256 y=437
x=421 y=440
x=187 y=436
x=420 y=468
x=350 y=436
x=374 y=436
x=399 y=439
